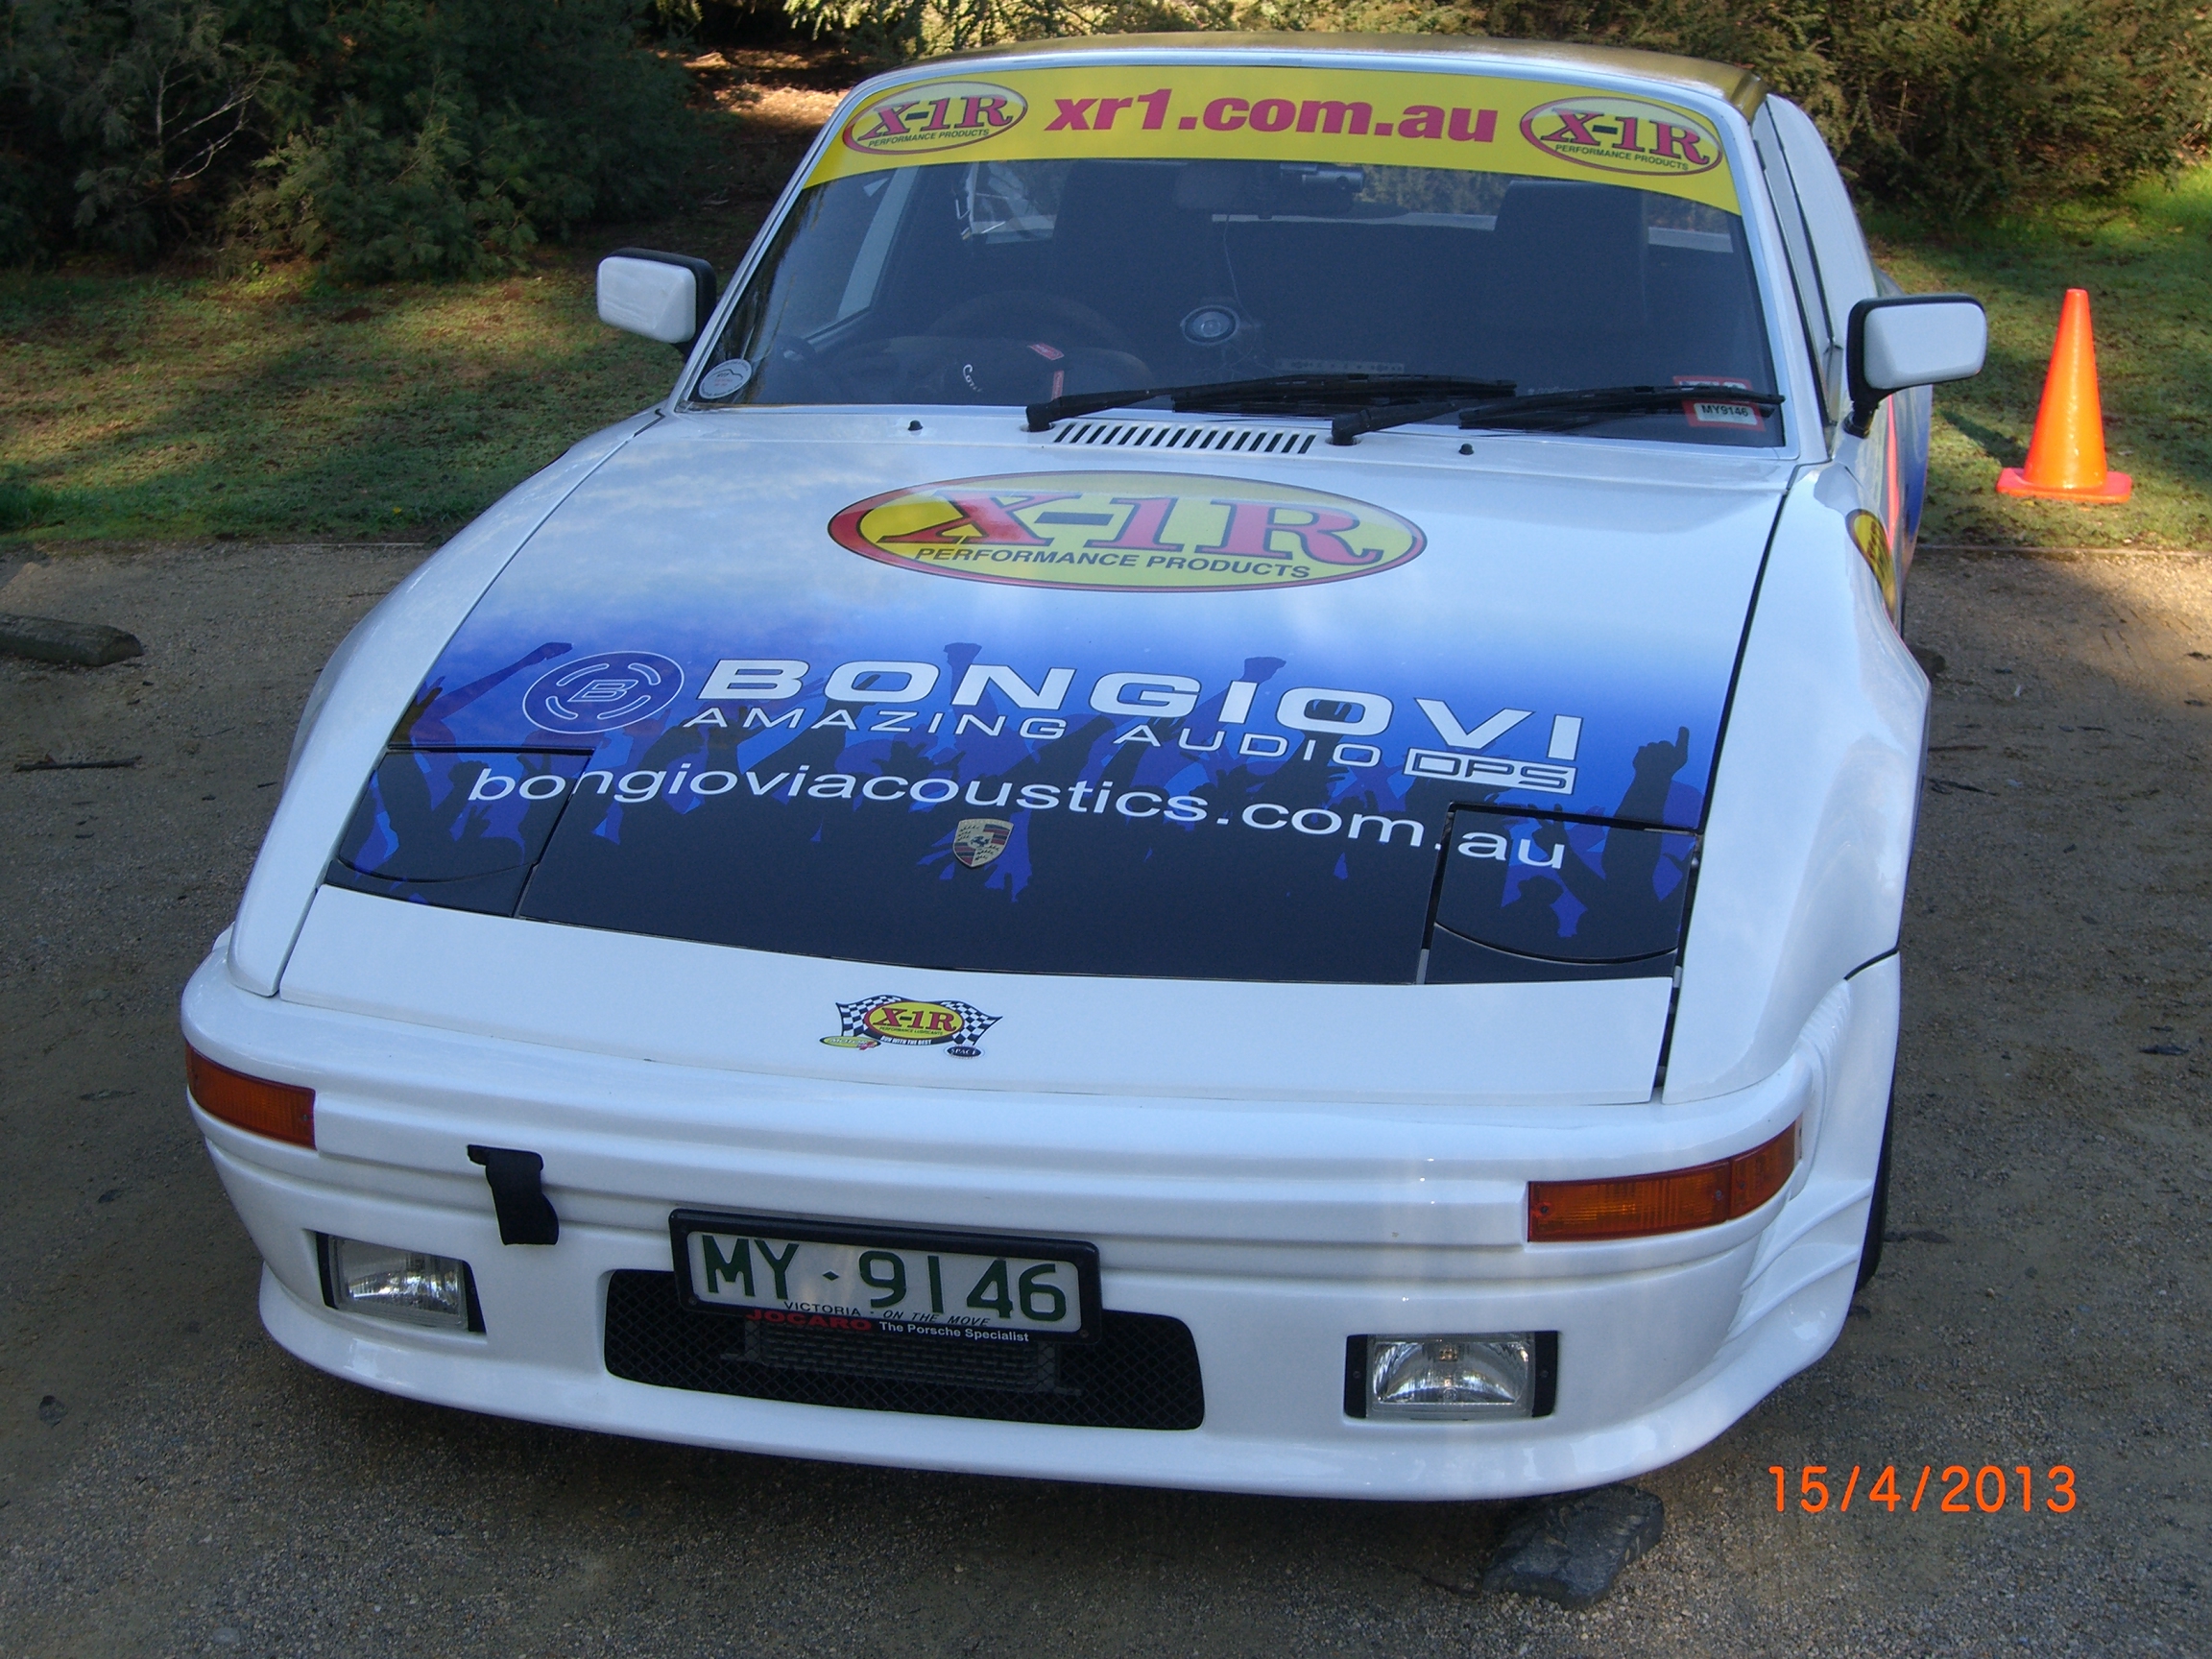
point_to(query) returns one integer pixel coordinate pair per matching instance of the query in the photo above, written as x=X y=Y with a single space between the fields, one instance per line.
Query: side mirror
x=664 y=297
x=1913 y=340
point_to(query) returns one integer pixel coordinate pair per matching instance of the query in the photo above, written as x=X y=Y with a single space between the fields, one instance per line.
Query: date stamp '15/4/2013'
x=1959 y=1490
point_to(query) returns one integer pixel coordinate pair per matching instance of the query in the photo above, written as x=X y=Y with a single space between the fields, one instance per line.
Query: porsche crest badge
x=977 y=841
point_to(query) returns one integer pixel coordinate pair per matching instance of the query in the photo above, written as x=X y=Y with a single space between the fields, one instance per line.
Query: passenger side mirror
x=1913 y=340
x=664 y=297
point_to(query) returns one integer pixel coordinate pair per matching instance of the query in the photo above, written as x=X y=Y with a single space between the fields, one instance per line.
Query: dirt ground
x=171 y=1482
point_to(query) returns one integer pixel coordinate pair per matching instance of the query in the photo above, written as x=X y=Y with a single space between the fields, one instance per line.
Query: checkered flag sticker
x=974 y=1023
x=925 y=1022
x=852 y=1022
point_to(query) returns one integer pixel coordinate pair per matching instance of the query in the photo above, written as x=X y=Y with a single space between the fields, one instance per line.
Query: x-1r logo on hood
x=1128 y=532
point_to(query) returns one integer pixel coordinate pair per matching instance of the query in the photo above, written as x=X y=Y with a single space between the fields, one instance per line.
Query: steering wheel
x=1017 y=313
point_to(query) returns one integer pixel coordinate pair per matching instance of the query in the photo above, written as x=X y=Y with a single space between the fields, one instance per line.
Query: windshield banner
x=1271 y=112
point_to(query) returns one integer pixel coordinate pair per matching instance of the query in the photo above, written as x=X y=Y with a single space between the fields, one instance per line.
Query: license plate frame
x=903 y=1241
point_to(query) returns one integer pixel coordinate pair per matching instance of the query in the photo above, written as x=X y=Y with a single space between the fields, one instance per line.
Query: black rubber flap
x=515 y=1177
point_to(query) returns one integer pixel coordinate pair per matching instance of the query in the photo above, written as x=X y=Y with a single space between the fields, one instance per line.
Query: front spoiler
x=1664 y=1342
x=1347 y=1460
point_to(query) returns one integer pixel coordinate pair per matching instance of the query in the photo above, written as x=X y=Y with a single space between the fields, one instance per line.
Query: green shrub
x=1947 y=106
x=897 y=29
x=1966 y=104
x=387 y=137
x=123 y=123
x=444 y=137
x=433 y=137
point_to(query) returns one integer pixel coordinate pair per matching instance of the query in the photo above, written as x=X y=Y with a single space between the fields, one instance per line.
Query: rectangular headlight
x=411 y=1287
x=1473 y=1377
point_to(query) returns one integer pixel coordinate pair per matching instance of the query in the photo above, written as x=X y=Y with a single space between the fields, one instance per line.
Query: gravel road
x=171 y=1483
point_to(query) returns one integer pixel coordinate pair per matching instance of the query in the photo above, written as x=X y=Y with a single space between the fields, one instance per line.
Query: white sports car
x=1222 y=801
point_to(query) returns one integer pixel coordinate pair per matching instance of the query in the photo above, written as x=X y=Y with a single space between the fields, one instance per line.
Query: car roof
x=1740 y=87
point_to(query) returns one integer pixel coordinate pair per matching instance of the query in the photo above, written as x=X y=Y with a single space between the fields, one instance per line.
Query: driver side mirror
x=1912 y=340
x=664 y=297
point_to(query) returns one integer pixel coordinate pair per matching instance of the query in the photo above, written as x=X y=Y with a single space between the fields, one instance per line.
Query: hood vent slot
x=1158 y=434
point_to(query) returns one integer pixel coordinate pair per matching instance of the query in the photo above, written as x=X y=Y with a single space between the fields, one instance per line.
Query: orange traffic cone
x=2066 y=457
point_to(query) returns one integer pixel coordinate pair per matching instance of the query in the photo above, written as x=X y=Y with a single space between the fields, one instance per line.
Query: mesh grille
x=1156 y=435
x=1141 y=1372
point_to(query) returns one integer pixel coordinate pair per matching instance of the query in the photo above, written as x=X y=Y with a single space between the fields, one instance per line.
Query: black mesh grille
x=1141 y=1372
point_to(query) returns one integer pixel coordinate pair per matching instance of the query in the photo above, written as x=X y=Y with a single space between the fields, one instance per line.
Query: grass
x=2147 y=263
x=274 y=405
x=23 y=505
x=271 y=404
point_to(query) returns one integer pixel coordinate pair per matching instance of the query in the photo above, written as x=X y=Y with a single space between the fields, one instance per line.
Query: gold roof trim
x=1740 y=87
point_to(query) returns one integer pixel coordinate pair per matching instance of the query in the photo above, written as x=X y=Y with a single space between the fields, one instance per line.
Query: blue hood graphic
x=684 y=709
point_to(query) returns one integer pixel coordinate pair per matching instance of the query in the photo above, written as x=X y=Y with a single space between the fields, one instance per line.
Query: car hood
x=976 y=700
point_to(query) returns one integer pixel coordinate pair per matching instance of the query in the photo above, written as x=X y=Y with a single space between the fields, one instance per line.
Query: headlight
x=411 y=1287
x=1451 y=1379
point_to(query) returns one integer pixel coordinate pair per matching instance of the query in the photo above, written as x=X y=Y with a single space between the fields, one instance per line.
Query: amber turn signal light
x=1677 y=1201
x=280 y=1111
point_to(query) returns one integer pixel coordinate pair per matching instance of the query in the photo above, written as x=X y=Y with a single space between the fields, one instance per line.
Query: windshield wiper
x=1274 y=390
x=1590 y=403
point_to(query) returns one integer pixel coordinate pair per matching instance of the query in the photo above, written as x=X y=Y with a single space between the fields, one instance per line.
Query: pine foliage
x=385 y=137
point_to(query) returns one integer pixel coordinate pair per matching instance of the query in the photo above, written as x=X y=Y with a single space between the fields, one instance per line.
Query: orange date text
x=1953 y=1490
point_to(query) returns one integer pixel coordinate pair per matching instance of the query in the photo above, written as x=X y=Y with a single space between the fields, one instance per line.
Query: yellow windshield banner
x=1260 y=113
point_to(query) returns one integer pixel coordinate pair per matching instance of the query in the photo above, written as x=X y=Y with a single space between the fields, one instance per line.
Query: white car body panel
x=1813 y=809
x=671 y=1002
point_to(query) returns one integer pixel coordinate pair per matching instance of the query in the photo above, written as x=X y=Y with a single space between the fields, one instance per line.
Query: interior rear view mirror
x=664 y=297
x=1912 y=340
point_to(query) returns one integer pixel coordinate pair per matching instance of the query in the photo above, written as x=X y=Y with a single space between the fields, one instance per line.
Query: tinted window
x=1009 y=282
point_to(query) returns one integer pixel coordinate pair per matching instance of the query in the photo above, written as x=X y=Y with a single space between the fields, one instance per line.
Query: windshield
x=1015 y=281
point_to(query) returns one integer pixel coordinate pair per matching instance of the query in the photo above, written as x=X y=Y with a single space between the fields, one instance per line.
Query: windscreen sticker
x=1130 y=532
x=1271 y=113
x=953 y=113
x=1617 y=135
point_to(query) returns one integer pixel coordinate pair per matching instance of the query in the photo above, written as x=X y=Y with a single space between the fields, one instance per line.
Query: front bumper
x=1273 y=1234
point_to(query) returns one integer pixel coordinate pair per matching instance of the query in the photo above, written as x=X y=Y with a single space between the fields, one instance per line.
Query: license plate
x=895 y=1280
